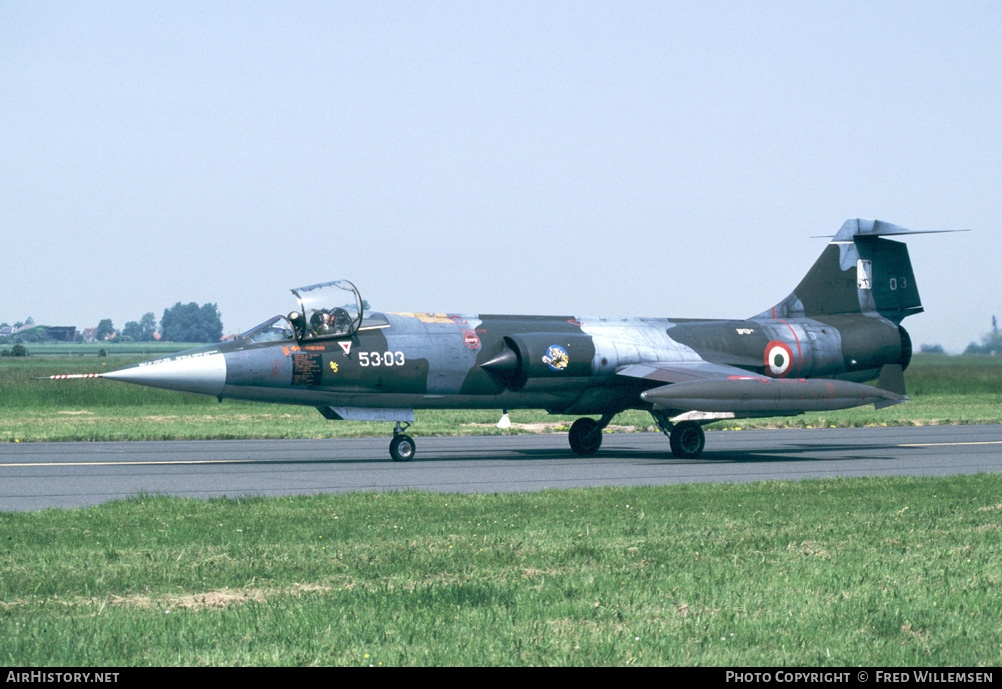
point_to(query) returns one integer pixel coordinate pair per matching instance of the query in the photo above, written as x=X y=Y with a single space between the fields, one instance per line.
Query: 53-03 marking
x=381 y=359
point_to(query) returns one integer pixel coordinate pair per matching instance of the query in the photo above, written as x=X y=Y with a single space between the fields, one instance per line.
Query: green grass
x=876 y=571
x=112 y=349
x=943 y=390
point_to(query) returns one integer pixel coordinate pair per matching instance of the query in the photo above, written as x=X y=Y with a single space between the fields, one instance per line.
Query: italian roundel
x=778 y=359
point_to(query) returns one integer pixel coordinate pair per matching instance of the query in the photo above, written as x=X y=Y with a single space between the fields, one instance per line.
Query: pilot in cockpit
x=320 y=323
x=340 y=321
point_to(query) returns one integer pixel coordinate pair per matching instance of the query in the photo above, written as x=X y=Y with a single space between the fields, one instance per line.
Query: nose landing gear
x=402 y=446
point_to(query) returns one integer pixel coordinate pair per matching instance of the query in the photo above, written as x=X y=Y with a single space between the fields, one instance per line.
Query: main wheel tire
x=402 y=448
x=585 y=437
x=687 y=440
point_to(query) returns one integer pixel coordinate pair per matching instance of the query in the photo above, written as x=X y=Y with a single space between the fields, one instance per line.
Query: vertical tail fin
x=858 y=272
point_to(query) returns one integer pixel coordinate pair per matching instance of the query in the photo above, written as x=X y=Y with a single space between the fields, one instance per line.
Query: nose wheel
x=402 y=446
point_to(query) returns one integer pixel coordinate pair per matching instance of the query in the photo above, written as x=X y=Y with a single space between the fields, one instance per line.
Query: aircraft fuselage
x=562 y=364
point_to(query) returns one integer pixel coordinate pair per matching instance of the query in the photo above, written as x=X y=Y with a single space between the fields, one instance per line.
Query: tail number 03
x=381 y=359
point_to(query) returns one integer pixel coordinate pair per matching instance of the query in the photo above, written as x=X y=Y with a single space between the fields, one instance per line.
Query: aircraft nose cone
x=202 y=372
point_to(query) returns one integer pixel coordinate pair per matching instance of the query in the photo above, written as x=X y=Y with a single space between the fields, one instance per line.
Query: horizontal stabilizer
x=858 y=227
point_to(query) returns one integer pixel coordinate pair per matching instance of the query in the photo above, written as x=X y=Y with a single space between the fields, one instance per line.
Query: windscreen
x=272 y=330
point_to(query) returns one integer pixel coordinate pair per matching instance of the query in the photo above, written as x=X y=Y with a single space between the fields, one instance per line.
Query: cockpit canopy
x=326 y=310
x=329 y=309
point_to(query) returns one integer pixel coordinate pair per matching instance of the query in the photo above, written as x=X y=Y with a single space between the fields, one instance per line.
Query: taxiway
x=40 y=475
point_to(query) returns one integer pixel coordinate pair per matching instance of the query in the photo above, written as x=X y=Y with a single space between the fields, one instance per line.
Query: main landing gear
x=402 y=446
x=685 y=438
x=586 y=435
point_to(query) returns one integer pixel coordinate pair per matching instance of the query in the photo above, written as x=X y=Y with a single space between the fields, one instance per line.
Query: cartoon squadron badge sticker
x=556 y=358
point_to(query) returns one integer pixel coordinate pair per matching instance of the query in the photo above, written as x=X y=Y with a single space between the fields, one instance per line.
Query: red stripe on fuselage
x=795 y=339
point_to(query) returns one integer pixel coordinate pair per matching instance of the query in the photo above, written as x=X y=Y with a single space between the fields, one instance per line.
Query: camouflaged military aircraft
x=809 y=352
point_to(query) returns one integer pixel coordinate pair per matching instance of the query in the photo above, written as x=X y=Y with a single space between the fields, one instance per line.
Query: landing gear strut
x=402 y=446
x=586 y=435
x=685 y=438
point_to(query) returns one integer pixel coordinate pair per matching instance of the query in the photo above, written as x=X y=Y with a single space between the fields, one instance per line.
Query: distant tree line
x=991 y=343
x=180 y=323
x=192 y=323
x=143 y=330
x=105 y=329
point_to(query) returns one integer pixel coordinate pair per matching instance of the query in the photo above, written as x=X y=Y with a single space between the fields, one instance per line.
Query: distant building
x=62 y=333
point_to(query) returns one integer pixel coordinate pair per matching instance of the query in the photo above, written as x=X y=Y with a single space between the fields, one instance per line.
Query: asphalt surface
x=40 y=475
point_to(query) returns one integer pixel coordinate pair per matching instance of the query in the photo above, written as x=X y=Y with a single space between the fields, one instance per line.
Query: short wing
x=685 y=371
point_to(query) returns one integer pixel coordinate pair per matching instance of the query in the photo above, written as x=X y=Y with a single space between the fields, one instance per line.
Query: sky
x=670 y=159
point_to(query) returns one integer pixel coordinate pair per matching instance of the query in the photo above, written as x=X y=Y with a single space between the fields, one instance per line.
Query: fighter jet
x=810 y=352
